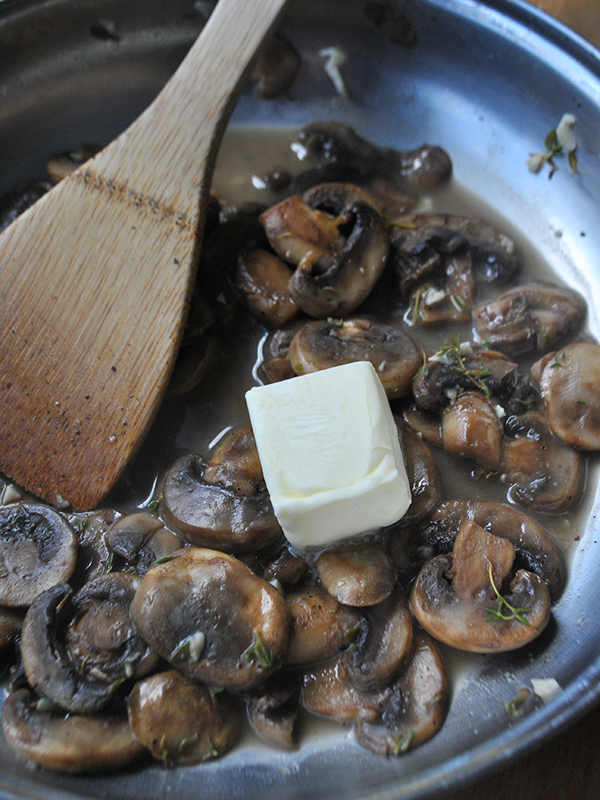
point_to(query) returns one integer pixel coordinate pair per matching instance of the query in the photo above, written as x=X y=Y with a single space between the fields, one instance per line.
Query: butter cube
x=330 y=454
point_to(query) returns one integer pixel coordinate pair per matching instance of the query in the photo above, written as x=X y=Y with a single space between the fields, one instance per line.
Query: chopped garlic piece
x=197 y=642
x=336 y=58
x=565 y=135
x=431 y=296
x=546 y=688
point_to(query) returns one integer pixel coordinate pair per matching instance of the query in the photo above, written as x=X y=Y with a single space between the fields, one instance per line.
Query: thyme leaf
x=504 y=610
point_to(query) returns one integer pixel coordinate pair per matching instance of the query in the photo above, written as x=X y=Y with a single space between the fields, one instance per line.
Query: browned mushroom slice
x=427 y=426
x=381 y=646
x=326 y=693
x=276 y=67
x=263 y=280
x=423 y=475
x=426 y=167
x=65 y=742
x=93 y=555
x=284 y=566
x=321 y=626
x=181 y=722
x=273 y=710
x=235 y=462
x=570 y=387
x=47 y=661
x=416 y=708
x=459 y=598
x=77 y=649
x=471 y=429
x=213 y=618
x=450 y=298
x=357 y=574
x=194 y=360
x=101 y=639
x=38 y=550
x=529 y=318
x=535 y=550
x=323 y=344
x=543 y=473
x=216 y=515
x=140 y=539
x=334 y=273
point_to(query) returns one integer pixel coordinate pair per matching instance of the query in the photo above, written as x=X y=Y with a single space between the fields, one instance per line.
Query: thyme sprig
x=504 y=611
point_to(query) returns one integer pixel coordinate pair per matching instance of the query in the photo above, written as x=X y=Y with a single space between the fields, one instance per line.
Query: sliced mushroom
x=321 y=626
x=427 y=426
x=334 y=273
x=180 y=721
x=471 y=429
x=535 y=317
x=326 y=693
x=276 y=67
x=263 y=280
x=38 y=550
x=450 y=297
x=213 y=514
x=66 y=742
x=534 y=548
x=423 y=475
x=11 y=621
x=77 y=649
x=285 y=567
x=273 y=710
x=381 y=646
x=93 y=555
x=569 y=384
x=416 y=708
x=543 y=473
x=196 y=357
x=140 y=539
x=357 y=574
x=213 y=618
x=323 y=344
x=458 y=598
x=47 y=662
x=236 y=464
x=419 y=241
x=425 y=168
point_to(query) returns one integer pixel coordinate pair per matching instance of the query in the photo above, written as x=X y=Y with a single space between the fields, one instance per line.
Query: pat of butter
x=330 y=454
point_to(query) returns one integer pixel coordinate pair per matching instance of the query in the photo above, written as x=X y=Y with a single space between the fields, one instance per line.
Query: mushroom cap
x=75 y=743
x=180 y=721
x=569 y=383
x=323 y=344
x=213 y=618
x=457 y=598
x=38 y=550
x=357 y=574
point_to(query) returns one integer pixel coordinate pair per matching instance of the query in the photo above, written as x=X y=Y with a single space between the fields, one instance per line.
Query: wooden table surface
x=568 y=766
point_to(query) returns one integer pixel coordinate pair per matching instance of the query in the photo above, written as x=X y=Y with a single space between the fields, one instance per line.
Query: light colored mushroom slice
x=326 y=693
x=38 y=550
x=543 y=473
x=321 y=626
x=66 y=742
x=77 y=649
x=323 y=344
x=182 y=722
x=140 y=539
x=535 y=317
x=459 y=598
x=570 y=387
x=213 y=618
x=263 y=280
x=273 y=710
x=381 y=646
x=416 y=707
x=216 y=514
x=357 y=574
x=471 y=429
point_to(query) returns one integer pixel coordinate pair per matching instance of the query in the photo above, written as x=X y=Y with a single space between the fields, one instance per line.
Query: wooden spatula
x=95 y=278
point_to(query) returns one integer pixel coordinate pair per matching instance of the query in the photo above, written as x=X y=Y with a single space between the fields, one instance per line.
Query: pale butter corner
x=330 y=454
